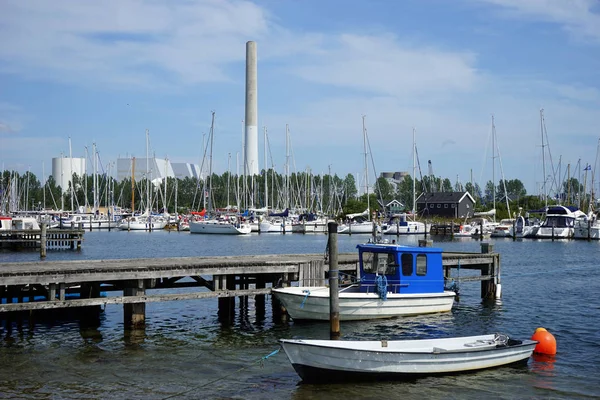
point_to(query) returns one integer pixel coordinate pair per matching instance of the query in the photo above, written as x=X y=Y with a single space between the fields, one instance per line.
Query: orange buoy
x=546 y=342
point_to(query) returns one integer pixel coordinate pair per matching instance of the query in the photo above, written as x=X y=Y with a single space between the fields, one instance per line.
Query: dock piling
x=334 y=301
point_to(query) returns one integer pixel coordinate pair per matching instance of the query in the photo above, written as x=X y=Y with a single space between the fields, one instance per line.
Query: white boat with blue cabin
x=394 y=281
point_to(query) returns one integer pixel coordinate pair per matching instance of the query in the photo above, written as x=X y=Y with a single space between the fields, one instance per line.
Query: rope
x=259 y=361
x=381 y=283
x=305 y=297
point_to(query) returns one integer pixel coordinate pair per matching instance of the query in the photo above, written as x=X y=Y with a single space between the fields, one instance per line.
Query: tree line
x=329 y=194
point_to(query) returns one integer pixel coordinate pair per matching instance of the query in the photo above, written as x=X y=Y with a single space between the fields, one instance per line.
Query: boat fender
x=546 y=342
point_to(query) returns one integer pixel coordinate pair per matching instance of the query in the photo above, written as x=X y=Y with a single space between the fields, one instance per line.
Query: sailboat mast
x=366 y=167
x=494 y=164
x=212 y=127
x=71 y=178
x=147 y=172
x=132 y=185
x=414 y=174
x=266 y=170
x=543 y=157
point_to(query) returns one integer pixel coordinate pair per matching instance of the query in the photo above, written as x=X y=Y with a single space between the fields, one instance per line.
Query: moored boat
x=395 y=281
x=327 y=360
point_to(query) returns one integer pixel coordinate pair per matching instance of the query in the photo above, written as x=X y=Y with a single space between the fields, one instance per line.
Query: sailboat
x=146 y=221
x=399 y=224
x=280 y=222
x=361 y=222
x=224 y=225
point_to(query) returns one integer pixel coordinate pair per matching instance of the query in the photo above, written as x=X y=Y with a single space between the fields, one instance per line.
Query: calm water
x=185 y=352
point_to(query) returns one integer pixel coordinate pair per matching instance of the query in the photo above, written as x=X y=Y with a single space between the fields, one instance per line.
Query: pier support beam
x=490 y=288
x=134 y=314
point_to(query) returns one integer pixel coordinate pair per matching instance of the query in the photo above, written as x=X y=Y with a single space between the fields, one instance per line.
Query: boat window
x=381 y=263
x=421 y=264
x=407 y=264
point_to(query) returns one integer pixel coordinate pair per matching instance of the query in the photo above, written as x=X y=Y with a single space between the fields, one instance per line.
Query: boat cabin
x=407 y=269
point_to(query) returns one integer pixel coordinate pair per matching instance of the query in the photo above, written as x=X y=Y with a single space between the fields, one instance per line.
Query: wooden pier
x=42 y=239
x=135 y=282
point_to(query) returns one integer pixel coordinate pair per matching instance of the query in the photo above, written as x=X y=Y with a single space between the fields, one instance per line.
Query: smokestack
x=251 y=120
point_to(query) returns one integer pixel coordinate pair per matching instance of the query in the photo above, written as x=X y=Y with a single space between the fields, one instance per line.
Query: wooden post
x=61 y=291
x=425 y=243
x=52 y=292
x=426 y=229
x=90 y=223
x=553 y=232
x=451 y=229
x=488 y=287
x=134 y=314
x=43 y=239
x=589 y=233
x=514 y=231
x=334 y=301
x=397 y=227
x=480 y=230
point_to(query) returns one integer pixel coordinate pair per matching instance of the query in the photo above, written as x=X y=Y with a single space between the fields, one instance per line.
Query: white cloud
x=577 y=17
x=127 y=42
x=383 y=65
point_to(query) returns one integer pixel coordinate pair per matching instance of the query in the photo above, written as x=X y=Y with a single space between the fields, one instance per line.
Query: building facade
x=446 y=204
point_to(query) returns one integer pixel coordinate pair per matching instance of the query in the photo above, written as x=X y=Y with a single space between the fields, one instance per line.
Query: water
x=185 y=353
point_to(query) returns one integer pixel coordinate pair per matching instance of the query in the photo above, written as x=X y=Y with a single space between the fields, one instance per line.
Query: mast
x=87 y=203
x=132 y=185
x=228 y=175
x=147 y=174
x=543 y=157
x=494 y=165
x=287 y=166
x=414 y=174
x=71 y=178
x=95 y=178
x=366 y=167
x=266 y=170
x=212 y=126
x=165 y=210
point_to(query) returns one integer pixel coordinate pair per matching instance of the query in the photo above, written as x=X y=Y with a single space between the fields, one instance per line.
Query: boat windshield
x=379 y=263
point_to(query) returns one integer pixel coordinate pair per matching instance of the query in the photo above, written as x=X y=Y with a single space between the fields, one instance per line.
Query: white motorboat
x=221 y=227
x=503 y=229
x=275 y=225
x=400 y=225
x=310 y=223
x=558 y=222
x=587 y=227
x=143 y=223
x=395 y=281
x=327 y=360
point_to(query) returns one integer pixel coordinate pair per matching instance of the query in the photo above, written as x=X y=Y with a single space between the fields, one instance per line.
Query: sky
x=104 y=72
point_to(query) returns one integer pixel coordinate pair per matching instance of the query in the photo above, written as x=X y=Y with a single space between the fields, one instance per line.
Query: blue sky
x=104 y=72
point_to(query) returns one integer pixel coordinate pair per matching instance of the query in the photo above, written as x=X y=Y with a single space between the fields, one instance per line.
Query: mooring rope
x=259 y=361
x=305 y=297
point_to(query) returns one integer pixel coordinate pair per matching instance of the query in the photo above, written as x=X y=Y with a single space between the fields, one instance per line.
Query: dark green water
x=185 y=352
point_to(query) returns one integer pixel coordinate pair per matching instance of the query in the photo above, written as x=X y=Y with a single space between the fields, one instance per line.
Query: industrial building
x=63 y=169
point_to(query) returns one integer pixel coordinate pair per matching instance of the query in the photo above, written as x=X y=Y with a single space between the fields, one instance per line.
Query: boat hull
x=312 y=303
x=219 y=228
x=316 y=360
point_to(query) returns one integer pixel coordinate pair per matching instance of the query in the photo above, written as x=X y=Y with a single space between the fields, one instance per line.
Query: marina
x=179 y=333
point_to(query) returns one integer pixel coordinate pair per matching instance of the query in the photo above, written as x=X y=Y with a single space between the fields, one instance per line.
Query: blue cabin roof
x=408 y=269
